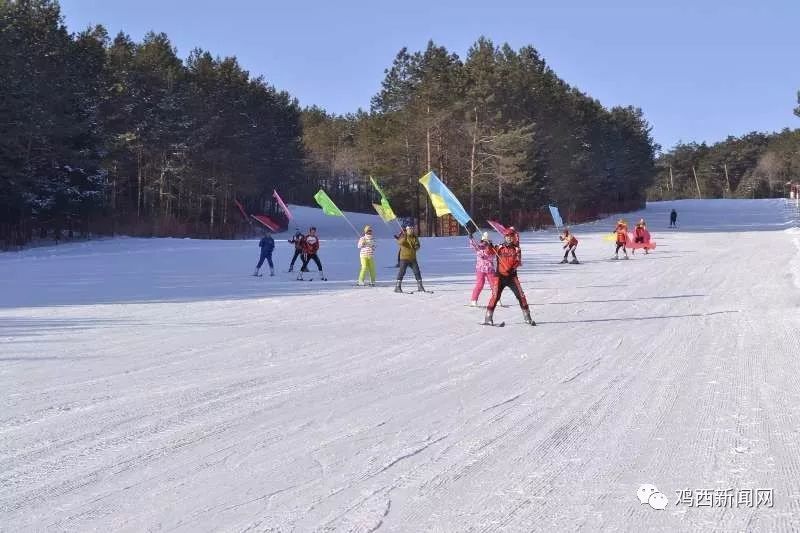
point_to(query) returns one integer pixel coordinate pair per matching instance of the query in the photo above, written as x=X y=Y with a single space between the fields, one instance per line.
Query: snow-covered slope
x=155 y=385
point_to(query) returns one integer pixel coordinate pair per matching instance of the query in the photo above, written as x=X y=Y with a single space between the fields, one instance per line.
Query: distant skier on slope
x=297 y=240
x=622 y=237
x=366 y=246
x=409 y=244
x=267 y=245
x=509 y=258
x=673 y=219
x=310 y=249
x=570 y=243
x=484 y=266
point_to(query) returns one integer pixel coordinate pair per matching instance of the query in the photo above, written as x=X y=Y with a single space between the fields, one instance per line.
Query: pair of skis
x=503 y=324
x=417 y=292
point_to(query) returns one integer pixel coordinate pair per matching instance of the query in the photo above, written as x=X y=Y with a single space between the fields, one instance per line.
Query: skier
x=509 y=258
x=484 y=267
x=673 y=219
x=267 y=245
x=297 y=240
x=639 y=235
x=310 y=249
x=366 y=245
x=570 y=243
x=622 y=236
x=409 y=244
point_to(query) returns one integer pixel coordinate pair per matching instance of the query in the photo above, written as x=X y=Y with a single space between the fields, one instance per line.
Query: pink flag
x=498 y=227
x=283 y=205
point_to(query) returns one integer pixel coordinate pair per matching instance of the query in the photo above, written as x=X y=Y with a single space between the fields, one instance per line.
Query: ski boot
x=291 y=269
x=574 y=262
x=360 y=283
x=271 y=271
x=488 y=319
x=563 y=261
x=526 y=314
x=473 y=303
x=371 y=283
x=398 y=286
x=322 y=276
x=256 y=273
x=420 y=288
x=626 y=257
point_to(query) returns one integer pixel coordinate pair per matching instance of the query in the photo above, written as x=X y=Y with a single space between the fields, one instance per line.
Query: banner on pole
x=443 y=200
x=327 y=205
x=282 y=205
x=556 y=216
x=498 y=227
x=386 y=214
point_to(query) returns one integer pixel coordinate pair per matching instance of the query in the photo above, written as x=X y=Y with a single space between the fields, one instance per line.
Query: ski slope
x=154 y=385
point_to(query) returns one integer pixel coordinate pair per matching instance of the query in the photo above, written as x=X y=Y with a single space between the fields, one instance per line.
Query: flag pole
x=348 y=221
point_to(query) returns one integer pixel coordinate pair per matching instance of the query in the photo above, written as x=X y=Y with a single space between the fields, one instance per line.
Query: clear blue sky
x=701 y=70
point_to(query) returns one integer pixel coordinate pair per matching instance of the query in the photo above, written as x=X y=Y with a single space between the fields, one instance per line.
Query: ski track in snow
x=153 y=385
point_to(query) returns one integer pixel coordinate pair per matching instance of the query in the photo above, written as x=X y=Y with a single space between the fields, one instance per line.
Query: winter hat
x=485 y=236
x=367 y=229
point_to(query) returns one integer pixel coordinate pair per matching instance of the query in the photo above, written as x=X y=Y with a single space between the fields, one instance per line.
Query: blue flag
x=443 y=200
x=556 y=216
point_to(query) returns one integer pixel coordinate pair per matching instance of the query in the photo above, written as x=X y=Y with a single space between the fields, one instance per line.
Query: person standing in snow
x=570 y=243
x=297 y=240
x=673 y=219
x=366 y=246
x=509 y=258
x=409 y=244
x=484 y=266
x=639 y=235
x=622 y=237
x=310 y=249
x=267 y=245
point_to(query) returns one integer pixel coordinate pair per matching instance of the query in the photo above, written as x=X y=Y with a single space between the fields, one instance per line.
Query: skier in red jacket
x=310 y=249
x=509 y=258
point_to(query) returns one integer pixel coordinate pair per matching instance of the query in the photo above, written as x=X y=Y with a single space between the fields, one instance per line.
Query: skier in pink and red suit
x=484 y=266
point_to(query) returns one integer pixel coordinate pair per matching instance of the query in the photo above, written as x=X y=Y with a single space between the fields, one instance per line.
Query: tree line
x=755 y=165
x=500 y=128
x=102 y=134
x=110 y=135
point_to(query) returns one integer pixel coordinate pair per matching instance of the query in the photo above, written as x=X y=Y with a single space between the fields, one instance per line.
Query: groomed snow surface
x=155 y=385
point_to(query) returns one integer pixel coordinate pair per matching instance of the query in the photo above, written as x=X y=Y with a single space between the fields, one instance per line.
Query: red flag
x=266 y=221
x=283 y=205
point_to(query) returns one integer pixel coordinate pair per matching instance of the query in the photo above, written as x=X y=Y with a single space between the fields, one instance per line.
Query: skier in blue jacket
x=267 y=245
